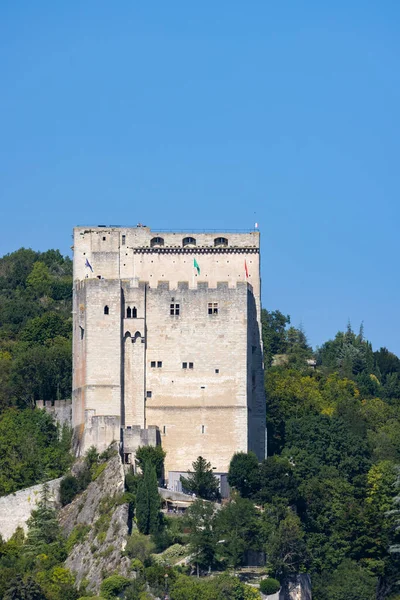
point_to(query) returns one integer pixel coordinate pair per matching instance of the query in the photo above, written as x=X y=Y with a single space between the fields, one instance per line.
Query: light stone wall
x=15 y=509
x=198 y=411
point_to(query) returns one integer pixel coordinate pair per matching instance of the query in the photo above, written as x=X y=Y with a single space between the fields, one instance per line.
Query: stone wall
x=60 y=409
x=15 y=509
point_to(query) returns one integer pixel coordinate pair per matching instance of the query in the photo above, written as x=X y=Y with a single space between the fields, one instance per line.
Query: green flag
x=196 y=266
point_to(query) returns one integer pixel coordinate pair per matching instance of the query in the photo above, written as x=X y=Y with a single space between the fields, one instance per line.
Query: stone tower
x=167 y=343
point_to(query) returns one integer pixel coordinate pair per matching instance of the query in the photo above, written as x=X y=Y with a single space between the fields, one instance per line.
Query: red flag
x=246 y=269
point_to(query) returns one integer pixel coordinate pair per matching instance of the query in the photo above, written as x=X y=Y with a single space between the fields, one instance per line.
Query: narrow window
x=190 y=365
x=106 y=310
x=202 y=429
x=82 y=331
x=148 y=394
x=159 y=364
x=184 y=365
x=128 y=312
x=104 y=239
x=217 y=370
x=174 y=310
x=213 y=308
x=164 y=429
x=123 y=240
x=153 y=364
x=134 y=313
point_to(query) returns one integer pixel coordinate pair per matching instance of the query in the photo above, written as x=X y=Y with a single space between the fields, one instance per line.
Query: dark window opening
x=220 y=241
x=217 y=370
x=213 y=308
x=134 y=313
x=104 y=239
x=202 y=429
x=106 y=310
x=184 y=365
x=164 y=429
x=123 y=240
x=82 y=332
x=189 y=241
x=153 y=364
x=190 y=365
x=157 y=241
x=174 y=310
x=159 y=364
x=148 y=394
x=128 y=312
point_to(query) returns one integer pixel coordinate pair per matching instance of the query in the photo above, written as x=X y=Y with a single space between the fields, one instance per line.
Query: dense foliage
x=35 y=327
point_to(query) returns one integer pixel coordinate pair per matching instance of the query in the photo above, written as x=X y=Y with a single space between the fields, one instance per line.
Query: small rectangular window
x=213 y=308
x=190 y=365
x=104 y=239
x=217 y=370
x=164 y=429
x=82 y=332
x=159 y=364
x=174 y=309
x=153 y=364
x=184 y=365
x=202 y=429
x=123 y=240
x=148 y=394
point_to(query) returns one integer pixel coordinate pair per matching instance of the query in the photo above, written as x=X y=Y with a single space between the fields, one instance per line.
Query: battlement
x=60 y=409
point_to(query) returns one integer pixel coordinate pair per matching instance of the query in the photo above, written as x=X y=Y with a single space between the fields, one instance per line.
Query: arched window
x=157 y=241
x=106 y=310
x=188 y=241
x=128 y=312
x=134 y=313
x=137 y=336
x=220 y=241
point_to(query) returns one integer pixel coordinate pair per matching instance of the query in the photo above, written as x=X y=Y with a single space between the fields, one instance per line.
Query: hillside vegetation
x=322 y=503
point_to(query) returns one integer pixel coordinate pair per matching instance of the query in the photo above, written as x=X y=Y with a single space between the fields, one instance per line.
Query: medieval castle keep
x=167 y=343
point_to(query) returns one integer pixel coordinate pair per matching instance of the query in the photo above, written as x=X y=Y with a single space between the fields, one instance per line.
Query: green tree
x=148 y=502
x=274 y=334
x=243 y=473
x=39 y=280
x=153 y=454
x=44 y=534
x=113 y=586
x=236 y=526
x=20 y=589
x=348 y=582
x=277 y=480
x=286 y=550
x=202 y=542
x=202 y=480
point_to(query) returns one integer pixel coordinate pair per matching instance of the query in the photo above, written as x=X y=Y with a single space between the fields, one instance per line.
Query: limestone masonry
x=167 y=343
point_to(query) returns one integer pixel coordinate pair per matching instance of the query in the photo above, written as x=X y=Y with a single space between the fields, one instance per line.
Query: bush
x=77 y=535
x=114 y=585
x=139 y=546
x=269 y=586
x=69 y=488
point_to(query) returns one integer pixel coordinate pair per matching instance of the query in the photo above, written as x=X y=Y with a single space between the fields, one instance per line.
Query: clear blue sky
x=199 y=115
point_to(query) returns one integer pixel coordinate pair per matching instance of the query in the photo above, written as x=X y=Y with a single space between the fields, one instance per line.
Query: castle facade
x=167 y=343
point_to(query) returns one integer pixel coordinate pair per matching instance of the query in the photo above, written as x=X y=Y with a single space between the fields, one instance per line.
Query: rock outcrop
x=97 y=520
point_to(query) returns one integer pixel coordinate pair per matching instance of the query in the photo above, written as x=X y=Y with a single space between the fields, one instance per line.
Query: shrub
x=77 y=535
x=113 y=585
x=139 y=546
x=69 y=488
x=269 y=586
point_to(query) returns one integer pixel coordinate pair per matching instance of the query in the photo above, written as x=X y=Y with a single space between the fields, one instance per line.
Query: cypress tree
x=148 y=502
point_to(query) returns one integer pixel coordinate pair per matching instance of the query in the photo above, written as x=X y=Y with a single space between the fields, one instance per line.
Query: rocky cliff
x=96 y=523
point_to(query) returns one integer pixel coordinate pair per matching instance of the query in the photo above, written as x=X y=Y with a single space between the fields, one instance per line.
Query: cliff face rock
x=97 y=525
